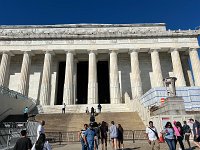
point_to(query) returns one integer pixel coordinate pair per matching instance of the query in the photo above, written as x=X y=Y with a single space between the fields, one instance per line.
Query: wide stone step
x=75 y=121
x=81 y=108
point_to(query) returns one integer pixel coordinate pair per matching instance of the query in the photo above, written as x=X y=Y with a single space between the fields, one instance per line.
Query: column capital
x=49 y=52
x=114 y=51
x=134 y=50
x=193 y=49
x=154 y=50
x=173 y=49
x=7 y=52
x=92 y=51
x=29 y=53
x=72 y=51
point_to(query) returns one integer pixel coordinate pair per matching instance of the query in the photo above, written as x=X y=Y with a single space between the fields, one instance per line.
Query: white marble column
x=177 y=68
x=46 y=80
x=136 y=83
x=92 y=78
x=4 y=68
x=24 y=77
x=194 y=58
x=156 y=67
x=68 y=85
x=114 y=78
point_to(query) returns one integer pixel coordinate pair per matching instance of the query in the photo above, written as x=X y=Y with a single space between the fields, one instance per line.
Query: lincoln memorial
x=98 y=63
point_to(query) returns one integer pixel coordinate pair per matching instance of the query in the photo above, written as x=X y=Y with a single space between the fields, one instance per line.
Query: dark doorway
x=82 y=82
x=61 y=80
x=103 y=82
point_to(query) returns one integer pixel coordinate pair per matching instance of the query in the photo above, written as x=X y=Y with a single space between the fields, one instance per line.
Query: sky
x=177 y=14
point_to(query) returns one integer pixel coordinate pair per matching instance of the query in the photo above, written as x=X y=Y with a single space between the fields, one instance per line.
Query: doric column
x=68 y=86
x=194 y=58
x=136 y=83
x=4 y=68
x=114 y=79
x=46 y=80
x=156 y=67
x=24 y=77
x=92 y=78
x=177 y=68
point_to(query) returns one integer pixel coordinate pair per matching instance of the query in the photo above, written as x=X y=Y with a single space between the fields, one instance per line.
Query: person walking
x=179 y=134
x=40 y=128
x=120 y=136
x=41 y=143
x=152 y=136
x=113 y=135
x=196 y=131
x=168 y=133
x=104 y=130
x=23 y=143
x=187 y=132
x=89 y=137
x=81 y=139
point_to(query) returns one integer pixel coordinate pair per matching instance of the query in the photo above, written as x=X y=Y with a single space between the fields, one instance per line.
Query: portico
x=66 y=68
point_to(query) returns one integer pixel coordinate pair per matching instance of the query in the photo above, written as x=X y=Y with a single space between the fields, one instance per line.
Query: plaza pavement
x=128 y=145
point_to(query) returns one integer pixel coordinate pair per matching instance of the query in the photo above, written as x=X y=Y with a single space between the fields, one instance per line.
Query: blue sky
x=177 y=14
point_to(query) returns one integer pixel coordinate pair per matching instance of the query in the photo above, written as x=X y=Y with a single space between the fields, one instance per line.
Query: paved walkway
x=138 y=145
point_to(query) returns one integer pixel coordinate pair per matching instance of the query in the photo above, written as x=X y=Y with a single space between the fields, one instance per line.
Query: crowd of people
x=174 y=134
x=92 y=135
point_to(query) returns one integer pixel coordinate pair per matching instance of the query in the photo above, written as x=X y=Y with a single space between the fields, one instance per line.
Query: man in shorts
x=196 y=132
x=113 y=135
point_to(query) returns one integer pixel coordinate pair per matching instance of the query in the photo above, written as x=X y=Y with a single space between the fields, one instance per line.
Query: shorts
x=196 y=139
x=187 y=136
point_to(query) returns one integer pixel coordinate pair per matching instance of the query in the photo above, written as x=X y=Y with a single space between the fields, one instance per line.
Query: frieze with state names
x=101 y=32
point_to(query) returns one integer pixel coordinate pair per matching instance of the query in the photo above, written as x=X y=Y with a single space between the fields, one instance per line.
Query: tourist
x=152 y=136
x=86 y=110
x=89 y=137
x=196 y=131
x=187 y=132
x=104 y=130
x=23 y=143
x=63 y=108
x=26 y=113
x=41 y=143
x=178 y=130
x=81 y=134
x=92 y=111
x=40 y=128
x=120 y=136
x=99 y=108
x=168 y=134
x=113 y=135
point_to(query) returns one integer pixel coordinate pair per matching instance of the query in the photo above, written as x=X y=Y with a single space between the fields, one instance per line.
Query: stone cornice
x=97 y=32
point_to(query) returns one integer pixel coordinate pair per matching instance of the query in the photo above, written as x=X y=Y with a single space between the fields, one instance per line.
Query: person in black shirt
x=23 y=143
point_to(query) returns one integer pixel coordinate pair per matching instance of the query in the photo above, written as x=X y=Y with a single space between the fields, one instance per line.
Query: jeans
x=171 y=144
x=84 y=147
x=90 y=145
x=180 y=140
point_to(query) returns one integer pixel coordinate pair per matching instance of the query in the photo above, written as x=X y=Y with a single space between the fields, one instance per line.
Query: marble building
x=95 y=63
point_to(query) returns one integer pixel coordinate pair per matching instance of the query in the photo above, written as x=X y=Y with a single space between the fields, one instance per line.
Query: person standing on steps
x=40 y=128
x=63 y=108
x=26 y=113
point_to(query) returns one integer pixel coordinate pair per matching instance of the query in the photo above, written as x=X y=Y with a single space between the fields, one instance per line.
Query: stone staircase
x=81 y=108
x=74 y=121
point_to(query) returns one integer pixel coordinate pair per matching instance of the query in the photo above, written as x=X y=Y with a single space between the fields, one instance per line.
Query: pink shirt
x=177 y=131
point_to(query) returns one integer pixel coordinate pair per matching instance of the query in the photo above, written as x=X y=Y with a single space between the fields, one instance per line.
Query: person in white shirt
x=40 y=128
x=113 y=135
x=41 y=143
x=152 y=136
x=63 y=108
